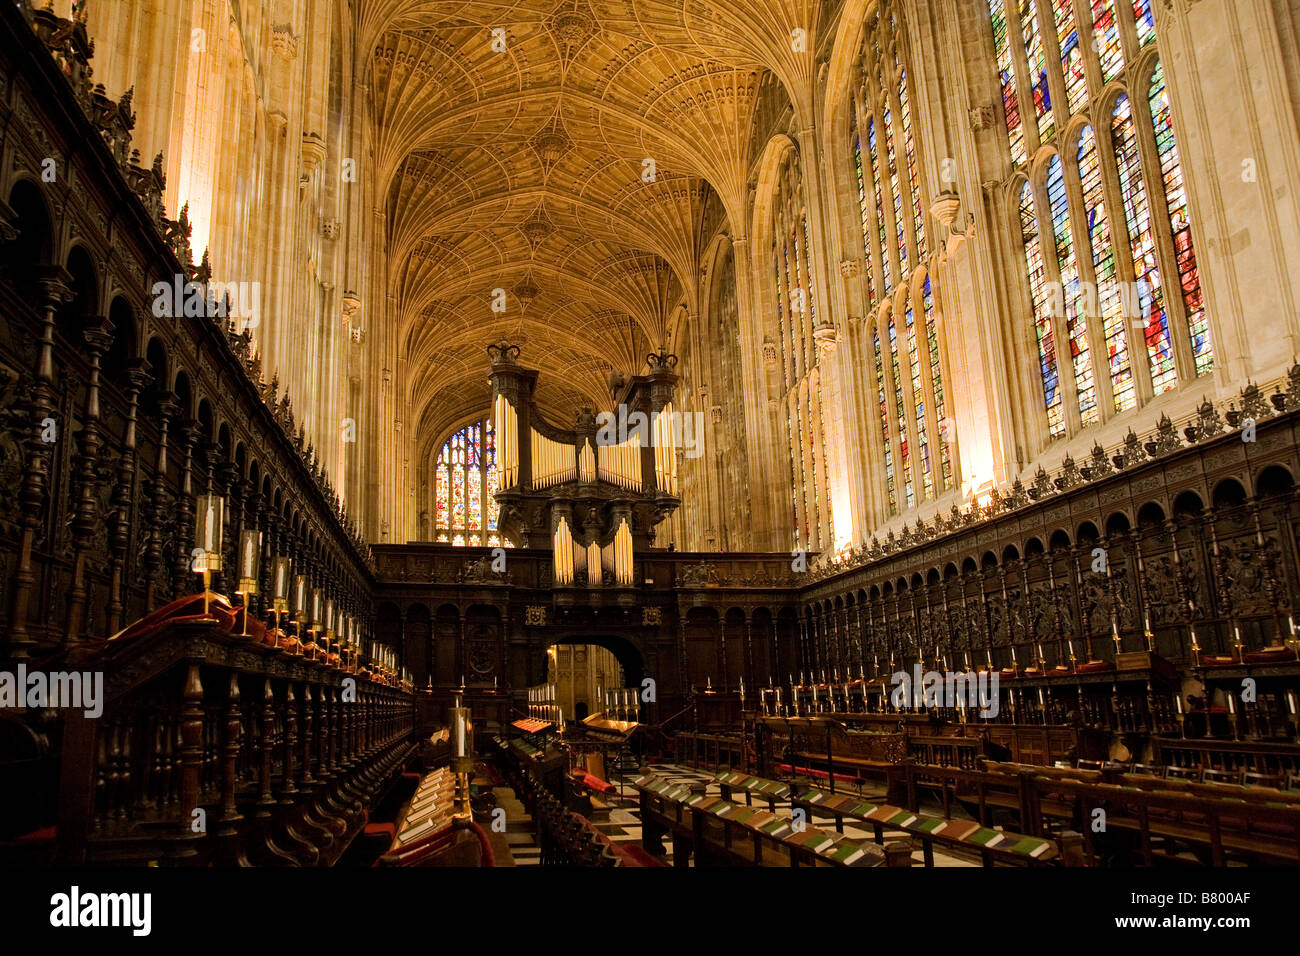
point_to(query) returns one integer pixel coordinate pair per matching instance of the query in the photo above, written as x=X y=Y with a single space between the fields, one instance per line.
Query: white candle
x=208 y=544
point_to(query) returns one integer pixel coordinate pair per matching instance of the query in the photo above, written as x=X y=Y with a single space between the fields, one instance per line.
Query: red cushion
x=188 y=608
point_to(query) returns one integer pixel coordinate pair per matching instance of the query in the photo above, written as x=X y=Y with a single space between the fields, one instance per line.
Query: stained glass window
x=870 y=276
x=1037 y=60
x=904 y=452
x=1109 y=298
x=1147 y=306
x=936 y=381
x=905 y=347
x=918 y=401
x=885 y=256
x=1171 y=174
x=909 y=146
x=1007 y=78
x=781 y=300
x=1042 y=314
x=1105 y=34
x=465 y=483
x=812 y=286
x=1076 y=323
x=897 y=193
x=882 y=401
x=1072 y=63
x=1146 y=21
x=1105 y=320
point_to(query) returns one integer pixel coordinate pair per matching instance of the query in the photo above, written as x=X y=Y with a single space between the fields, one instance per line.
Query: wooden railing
x=218 y=748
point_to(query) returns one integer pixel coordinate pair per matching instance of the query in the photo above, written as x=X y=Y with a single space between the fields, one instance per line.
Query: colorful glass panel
x=1146 y=309
x=1109 y=300
x=1076 y=322
x=1171 y=174
x=1047 y=363
x=1007 y=78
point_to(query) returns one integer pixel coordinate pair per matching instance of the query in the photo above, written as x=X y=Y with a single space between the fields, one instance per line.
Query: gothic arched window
x=903 y=361
x=465 y=487
x=1103 y=217
x=795 y=287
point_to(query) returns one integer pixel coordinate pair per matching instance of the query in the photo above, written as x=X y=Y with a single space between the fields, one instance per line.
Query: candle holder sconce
x=209 y=527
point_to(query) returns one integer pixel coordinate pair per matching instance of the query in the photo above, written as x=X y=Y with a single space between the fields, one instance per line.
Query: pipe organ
x=506 y=425
x=623 y=555
x=562 y=552
x=592 y=503
x=666 y=450
x=553 y=461
x=621 y=464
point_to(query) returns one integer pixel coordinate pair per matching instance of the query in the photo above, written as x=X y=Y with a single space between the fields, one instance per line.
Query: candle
x=1232 y=704
x=1178 y=703
x=281 y=569
x=1290 y=702
x=208 y=528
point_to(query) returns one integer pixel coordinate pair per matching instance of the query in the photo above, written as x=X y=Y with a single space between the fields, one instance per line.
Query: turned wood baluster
x=125 y=503
x=191 y=745
x=1221 y=582
x=1030 y=626
x=85 y=513
x=230 y=755
x=1058 y=628
x=55 y=290
x=326 y=733
x=268 y=743
x=308 y=727
x=182 y=576
x=1264 y=555
x=168 y=408
x=1085 y=618
x=287 y=789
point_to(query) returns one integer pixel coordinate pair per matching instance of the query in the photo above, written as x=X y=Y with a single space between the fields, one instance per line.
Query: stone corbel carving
x=824 y=337
x=284 y=43
x=849 y=268
x=313 y=152
x=981 y=117
x=945 y=209
x=350 y=303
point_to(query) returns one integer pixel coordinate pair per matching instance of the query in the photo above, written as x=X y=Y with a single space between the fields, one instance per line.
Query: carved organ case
x=592 y=494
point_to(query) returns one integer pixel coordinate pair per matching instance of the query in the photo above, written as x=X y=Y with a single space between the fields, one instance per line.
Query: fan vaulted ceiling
x=522 y=169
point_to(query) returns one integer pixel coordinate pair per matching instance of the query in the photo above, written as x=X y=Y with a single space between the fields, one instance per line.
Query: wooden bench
x=992 y=845
x=771 y=790
x=721 y=832
x=1223 y=827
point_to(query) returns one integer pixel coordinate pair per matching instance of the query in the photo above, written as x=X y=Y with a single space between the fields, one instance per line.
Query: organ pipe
x=621 y=464
x=665 y=452
x=587 y=463
x=594 y=574
x=623 y=555
x=562 y=551
x=506 y=424
x=553 y=461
